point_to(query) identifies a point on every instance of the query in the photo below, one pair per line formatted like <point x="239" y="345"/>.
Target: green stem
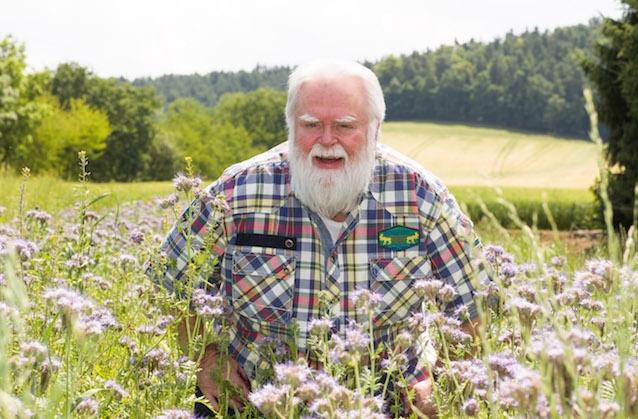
<point x="372" y="353"/>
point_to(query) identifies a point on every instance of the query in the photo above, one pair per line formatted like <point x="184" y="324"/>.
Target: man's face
<point x="331" y="154"/>
<point x="331" y="117"/>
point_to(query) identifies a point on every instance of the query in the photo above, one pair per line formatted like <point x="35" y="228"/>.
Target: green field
<point x="472" y="161"/>
<point x="477" y="156"/>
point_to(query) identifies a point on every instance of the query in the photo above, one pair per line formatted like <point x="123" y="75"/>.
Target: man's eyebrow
<point x="346" y="119"/>
<point x="308" y="118"/>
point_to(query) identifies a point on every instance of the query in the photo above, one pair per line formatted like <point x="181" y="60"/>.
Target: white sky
<point x="134" y="38"/>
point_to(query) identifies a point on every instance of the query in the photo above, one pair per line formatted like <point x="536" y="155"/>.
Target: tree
<point x="190" y="128"/>
<point x="131" y="113"/>
<point x="70" y="81"/>
<point x="19" y="111"/>
<point x="61" y="134"/>
<point x="614" y="72"/>
<point x="260" y="113"/>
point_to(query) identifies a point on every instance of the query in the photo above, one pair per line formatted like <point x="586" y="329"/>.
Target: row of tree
<point x="532" y="81"/>
<point x="48" y="116"/>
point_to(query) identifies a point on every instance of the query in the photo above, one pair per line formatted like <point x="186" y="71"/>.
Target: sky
<point x="143" y="38"/>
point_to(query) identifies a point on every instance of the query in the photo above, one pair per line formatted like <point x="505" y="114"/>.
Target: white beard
<point x="330" y="192"/>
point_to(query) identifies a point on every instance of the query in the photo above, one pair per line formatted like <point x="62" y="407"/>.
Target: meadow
<point x="480" y="156"/>
<point x="84" y="331"/>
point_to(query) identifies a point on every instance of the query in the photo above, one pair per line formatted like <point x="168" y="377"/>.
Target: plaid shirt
<point x="276" y="257"/>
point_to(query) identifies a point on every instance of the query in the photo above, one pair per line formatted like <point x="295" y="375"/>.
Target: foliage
<point x="61" y="133"/>
<point x="209" y="88"/>
<point x="530" y="81"/>
<point x="614" y="72"/>
<point x="132" y="115"/>
<point x="19" y="111"/>
<point x="192" y="130"/>
<point x="85" y="333"/>
<point x="260" y="113"/>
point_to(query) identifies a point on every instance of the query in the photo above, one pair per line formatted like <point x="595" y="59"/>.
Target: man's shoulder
<point x="396" y="168"/>
<point x="257" y="183"/>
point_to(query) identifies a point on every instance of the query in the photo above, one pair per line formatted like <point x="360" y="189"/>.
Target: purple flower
<point x="471" y="407"/>
<point x="207" y="306"/>
<point x="446" y="294"/>
<point x="186" y="183"/>
<point x="503" y="363"/>
<point x="472" y="372"/>
<point x="176" y="414"/>
<point x="357" y="341"/>
<point x="521" y="390"/>
<point x="87" y="407"/>
<point x="98" y="321"/>
<point x="365" y="299"/>
<point x="127" y="261"/>
<point x="493" y="252"/>
<point x="117" y="389"/>
<point x="36" y="352"/>
<point x="168" y="202"/>
<point x="23" y="248"/>
<point x="41" y="217"/>
<point x="608" y="409"/>
<point x="319" y="327"/>
<point x="77" y="261"/>
<point x="67" y="300"/>
<point x="509" y="270"/>
<point x="527" y="311"/>
<point x="558" y="261"/>
<point x="293" y="374"/>
<point x="155" y="360"/>
<point x="428" y="288"/>
<point x="270" y="397"/>
<point x="136" y="237"/>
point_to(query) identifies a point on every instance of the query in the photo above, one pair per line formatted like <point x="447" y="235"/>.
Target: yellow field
<point x="476" y="156"/>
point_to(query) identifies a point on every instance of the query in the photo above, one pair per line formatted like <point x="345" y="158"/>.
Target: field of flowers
<point x="85" y="333"/>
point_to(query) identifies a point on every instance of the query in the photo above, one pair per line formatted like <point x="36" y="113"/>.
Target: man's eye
<point x="311" y="124"/>
<point x="345" y="125"/>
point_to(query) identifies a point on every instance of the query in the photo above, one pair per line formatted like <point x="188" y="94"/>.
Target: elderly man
<point x="327" y="213"/>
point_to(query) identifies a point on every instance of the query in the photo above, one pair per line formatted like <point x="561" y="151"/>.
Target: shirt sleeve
<point x="189" y="255"/>
<point x="451" y="248"/>
<point x="454" y="252"/>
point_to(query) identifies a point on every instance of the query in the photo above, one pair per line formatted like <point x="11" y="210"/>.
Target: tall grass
<point x="85" y="333"/>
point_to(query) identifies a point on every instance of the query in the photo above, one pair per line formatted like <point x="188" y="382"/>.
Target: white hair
<point x="319" y="70"/>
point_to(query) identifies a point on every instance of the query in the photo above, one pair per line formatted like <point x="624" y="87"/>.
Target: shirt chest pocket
<point x="393" y="279"/>
<point x="262" y="286"/>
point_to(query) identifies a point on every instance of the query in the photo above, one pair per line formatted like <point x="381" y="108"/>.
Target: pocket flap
<point x="263" y="265"/>
<point x="400" y="268"/>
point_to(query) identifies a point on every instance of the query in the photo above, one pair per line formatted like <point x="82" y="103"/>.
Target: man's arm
<point x="211" y="360"/>
<point x="450" y="244"/>
<point x="188" y="251"/>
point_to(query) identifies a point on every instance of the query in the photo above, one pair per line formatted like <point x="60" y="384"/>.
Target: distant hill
<point x="477" y="156"/>
<point x="208" y="88"/>
<point x="532" y="81"/>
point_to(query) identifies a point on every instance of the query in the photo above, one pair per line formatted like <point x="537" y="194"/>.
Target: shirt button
<point x="289" y="243"/>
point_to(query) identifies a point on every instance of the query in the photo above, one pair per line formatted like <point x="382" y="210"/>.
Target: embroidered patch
<point x="399" y="238"/>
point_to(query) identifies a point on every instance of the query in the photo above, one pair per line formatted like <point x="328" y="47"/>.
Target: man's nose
<point x="328" y="136"/>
